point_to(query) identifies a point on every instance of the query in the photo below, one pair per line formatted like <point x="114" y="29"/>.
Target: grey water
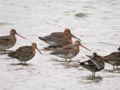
<point x="95" y="22"/>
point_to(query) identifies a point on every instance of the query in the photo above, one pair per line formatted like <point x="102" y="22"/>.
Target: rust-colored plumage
<point x="24" y="53"/>
<point x="9" y="41"/>
<point x="94" y="64"/>
<point x="59" y="39"/>
<point x="69" y="51"/>
<point x="113" y="59"/>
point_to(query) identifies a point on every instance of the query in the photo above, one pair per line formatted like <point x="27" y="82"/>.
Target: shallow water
<point x="95" y="22"/>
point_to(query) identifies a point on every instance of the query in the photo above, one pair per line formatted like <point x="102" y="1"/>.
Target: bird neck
<point x="68" y="38"/>
<point x="12" y="37"/>
<point x="33" y="50"/>
<point x="76" y="47"/>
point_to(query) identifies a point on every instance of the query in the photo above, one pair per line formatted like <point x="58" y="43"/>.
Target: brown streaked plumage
<point x="69" y="51"/>
<point x="9" y="41"/>
<point x="59" y="38"/>
<point x="24" y="53"/>
<point x="94" y="64"/>
<point x="113" y="59"/>
<point x="60" y="43"/>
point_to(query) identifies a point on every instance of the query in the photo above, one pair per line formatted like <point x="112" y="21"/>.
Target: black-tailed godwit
<point x="94" y="64"/>
<point x="24" y="53"/>
<point x="69" y="51"/>
<point x="9" y="41"/>
<point x="113" y="59"/>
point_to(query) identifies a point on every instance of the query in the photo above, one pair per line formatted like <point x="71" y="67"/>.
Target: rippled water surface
<point x="95" y="22"/>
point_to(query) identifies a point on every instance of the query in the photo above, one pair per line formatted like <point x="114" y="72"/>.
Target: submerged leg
<point x="70" y="60"/>
<point x="93" y="75"/>
<point x="65" y="59"/>
<point x="4" y="51"/>
<point x="25" y="62"/>
<point x="117" y="67"/>
<point x="113" y="67"/>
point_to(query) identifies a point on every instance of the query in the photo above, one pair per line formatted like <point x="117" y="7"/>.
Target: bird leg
<point x="65" y="59"/>
<point x="93" y="75"/>
<point x="4" y="51"/>
<point x="113" y="67"/>
<point x="70" y="60"/>
<point x="117" y="67"/>
<point x="25" y="62"/>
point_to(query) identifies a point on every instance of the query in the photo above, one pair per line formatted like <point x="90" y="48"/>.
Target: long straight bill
<point x="39" y="51"/>
<point x="85" y="48"/>
<point x="75" y="37"/>
<point x="20" y="36"/>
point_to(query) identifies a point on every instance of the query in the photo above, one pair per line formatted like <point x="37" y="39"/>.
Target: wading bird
<point x="94" y="64"/>
<point x="59" y="39"/>
<point x="113" y="59"/>
<point x="8" y="41"/>
<point x="25" y="53"/>
<point x="69" y="51"/>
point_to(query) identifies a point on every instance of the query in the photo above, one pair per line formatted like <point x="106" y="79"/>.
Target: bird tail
<point x="12" y="54"/>
<point x="42" y="38"/>
<point x="82" y="63"/>
<point x="52" y="53"/>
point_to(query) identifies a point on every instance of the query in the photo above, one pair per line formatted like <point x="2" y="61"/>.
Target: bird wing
<point x="115" y="56"/>
<point x="65" y="50"/>
<point x="53" y="37"/>
<point x="4" y="40"/>
<point x="70" y="46"/>
<point x="89" y="65"/>
<point x="21" y="51"/>
<point x="97" y="61"/>
<point x="24" y="49"/>
<point x="57" y="34"/>
<point x="62" y="42"/>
